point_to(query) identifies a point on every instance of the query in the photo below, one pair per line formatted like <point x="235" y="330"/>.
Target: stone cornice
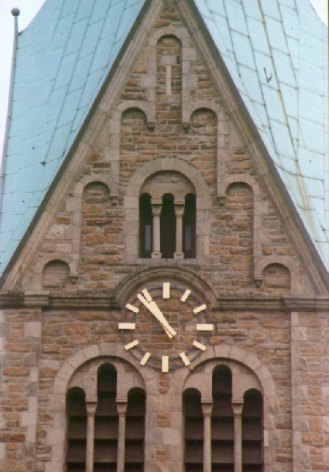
<point x="108" y="301"/>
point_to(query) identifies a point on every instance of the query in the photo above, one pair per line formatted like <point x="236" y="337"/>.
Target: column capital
<point x="179" y="210"/>
<point x="237" y="407"/>
<point x="122" y="407"/>
<point x="91" y="407"/>
<point x="207" y="407"/>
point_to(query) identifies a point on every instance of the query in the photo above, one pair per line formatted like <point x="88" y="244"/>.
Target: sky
<point x="28" y="9"/>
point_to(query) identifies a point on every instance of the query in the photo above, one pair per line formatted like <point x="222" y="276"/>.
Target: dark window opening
<point x="252" y="432"/>
<point x="189" y="227"/>
<point x="106" y="420"/>
<point x="135" y="426"/>
<point x="167" y="227"/>
<point x="145" y="226"/>
<point x="222" y="422"/>
<point x="76" y="431"/>
<point x="193" y="431"/>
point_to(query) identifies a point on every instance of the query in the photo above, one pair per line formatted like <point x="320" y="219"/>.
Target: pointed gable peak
<point x="275" y="54"/>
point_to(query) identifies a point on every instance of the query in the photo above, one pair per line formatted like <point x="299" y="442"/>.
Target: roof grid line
<point x="277" y="79"/>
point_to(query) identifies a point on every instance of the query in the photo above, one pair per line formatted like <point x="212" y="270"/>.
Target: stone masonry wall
<point x="35" y="343"/>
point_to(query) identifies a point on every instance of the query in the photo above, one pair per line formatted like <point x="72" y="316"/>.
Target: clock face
<point x="165" y="325"/>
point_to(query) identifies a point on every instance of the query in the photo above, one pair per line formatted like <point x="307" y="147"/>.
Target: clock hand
<point x="149" y="304"/>
<point x="156" y="312"/>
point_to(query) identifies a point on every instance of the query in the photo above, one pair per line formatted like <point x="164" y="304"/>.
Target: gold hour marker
<point x="200" y="308"/>
<point x="127" y="325"/>
<point x="165" y="364"/>
<point x="145" y="358"/>
<point x="132" y="308"/>
<point x="147" y="295"/>
<point x="185" y="295"/>
<point x="200" y="346"/>
<point x="205" y="327"/>
<point x="185" y="359"/>
<point x="131" y="345"/>
<point x="166" y="290"/>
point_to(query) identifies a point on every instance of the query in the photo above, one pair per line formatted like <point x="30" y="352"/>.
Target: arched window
<point x="252" y="431"/>
<point x="135" y="426"/>
<point x="222" y="443"/>
<point x="189" y="226"/>
<point x="193" y="431"/>
<point x="145" y="225"/>
<point x="223" y="432"/>
<point x="106" y="420"/>
<point x="76" y="437"/>
<point x="168" y="227"/>
<point x="167" y="217"/>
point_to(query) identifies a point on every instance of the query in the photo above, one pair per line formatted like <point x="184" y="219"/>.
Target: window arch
<point x="179" y="178"/>
<point x="223" y="425"/>
<point x="105" y="417"/>
<point x="167" y="217"/>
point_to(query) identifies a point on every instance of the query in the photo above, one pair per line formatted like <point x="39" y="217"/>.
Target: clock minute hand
<point x="158" y="314"/>
<point x="154" y="309"/>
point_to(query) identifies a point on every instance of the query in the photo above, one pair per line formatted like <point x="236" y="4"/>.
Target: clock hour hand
<point x="156" y="312"/>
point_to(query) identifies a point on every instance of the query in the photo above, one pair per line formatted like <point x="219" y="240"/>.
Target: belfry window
<point x="167" y="226"/>
<point x="222" y="431"/>
<point x="105" y="432"/>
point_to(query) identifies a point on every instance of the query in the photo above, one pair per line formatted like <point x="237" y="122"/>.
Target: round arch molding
<point x="131" y="204"/>
<point x="109" y="353"/>
<point x="247" y="368"/>
<point x="186" y="276"/>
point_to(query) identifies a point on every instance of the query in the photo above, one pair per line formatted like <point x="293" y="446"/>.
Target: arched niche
<point x="55" y="274"/>
<point x="276" y="279"/>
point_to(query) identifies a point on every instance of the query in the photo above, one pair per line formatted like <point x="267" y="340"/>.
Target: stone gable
<point x="168" y="130"/>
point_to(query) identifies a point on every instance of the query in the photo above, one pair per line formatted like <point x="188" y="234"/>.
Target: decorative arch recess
<point x="55" y="274"/>
<point x="131" y="205"/>
<point x="250" y="378"/>
<point x="80" y="373"/>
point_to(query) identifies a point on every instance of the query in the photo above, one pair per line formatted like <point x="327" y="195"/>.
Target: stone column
<point x="91" y="411"/>
<point x="122" y="409"/>
<point x="237" y="412"/>
<point x="207" y="410"/>
<point x="156" y="212"/>
<point x="179" y="212"/>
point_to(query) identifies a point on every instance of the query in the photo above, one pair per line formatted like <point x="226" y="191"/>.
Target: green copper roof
<point x="277" y="54"/>
<point x="63" y="58"/>
<point x="275" y="51"/>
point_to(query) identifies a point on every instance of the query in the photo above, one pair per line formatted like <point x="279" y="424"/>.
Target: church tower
<point x="165" y="240"/>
